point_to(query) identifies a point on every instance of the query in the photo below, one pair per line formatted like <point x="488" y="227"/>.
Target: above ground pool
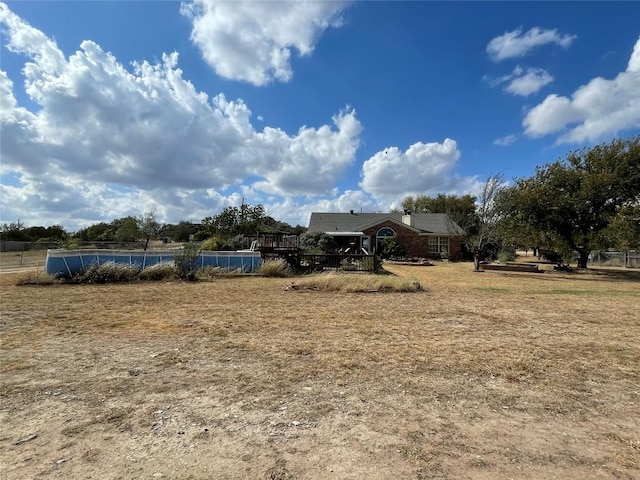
<point x="71" y="262"/>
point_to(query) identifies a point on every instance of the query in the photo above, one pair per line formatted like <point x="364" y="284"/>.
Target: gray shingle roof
<point x="356" y="222"/>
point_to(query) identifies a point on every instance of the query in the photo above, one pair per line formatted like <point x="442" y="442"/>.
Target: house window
<point x="439" y="245"/>
<point x="384" y="232"/>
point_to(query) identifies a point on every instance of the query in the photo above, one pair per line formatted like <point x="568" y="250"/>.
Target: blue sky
<point x="111" y="109"/>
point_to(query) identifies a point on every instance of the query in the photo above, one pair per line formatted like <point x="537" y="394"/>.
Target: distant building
<point x="426" y="235"/>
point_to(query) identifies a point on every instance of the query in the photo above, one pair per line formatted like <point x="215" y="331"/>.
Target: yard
<point x="493" y="375"/>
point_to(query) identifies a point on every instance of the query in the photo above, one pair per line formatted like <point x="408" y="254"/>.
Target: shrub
<point x="107" y="272"/>
<point x="349" y="283"/>
<point x="159" y="271"/>
<point x="70" y="243"/>
<point x="506" y="255"/>
<point x="318" y="242"/>
<point x="186" y="261"/>
<point x="209" y="273"/>
<point x="200" y="236"/>
<point x="274" y="268"/>
<point x="217" y="243"/>
<point x="391" y="248"/>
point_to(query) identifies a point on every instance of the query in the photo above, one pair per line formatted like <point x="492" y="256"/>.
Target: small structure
<point x="425" y="235"/>
<point x="269" y="242"/>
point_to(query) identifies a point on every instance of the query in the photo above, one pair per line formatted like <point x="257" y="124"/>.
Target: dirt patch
<point x="482" y="376"/>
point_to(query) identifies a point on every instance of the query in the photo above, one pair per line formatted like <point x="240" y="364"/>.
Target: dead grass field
<point x="489" y="375"/>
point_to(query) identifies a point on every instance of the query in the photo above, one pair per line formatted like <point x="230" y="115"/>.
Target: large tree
<point x="245" y="219"/>
<point x="481" y="229"/>
<point x="461" y="209"/>
<point x="14" y="231"/>
<point x="148" y="227"/>
<point x="586" y="202"/>
<point x="126" y="229"/>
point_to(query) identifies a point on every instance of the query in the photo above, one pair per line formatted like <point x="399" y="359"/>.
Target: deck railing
<point x="342" y="262"/>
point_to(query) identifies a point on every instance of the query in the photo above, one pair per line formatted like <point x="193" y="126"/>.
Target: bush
<point x="349" y="283"/>
<point x="274" y="268"/>
<point x="159" y="271"/>
<point x="506" y="255"/>
<point x="209" y="273"/>
<point x="217" y="243"/>
<point x="391" y="248"/>
<point x="70" y="243"/>
<point x="107" y="272"/>
<point x="200" y="236"/>
<point x="186" y="261"/>
<point x="317" y="242"/>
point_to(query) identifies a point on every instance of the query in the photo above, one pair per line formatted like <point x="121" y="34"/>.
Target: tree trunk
<point x="476" y="263"/>
<point x="582" y="260"/>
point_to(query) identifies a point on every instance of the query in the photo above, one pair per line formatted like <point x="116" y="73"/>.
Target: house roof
<point x="356" y="222"/>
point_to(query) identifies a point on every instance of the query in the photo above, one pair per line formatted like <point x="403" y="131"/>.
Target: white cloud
<point x="601" y="107"/>
<point x="302" y="173"/>
<point x="505" y="141"/>
<point x="391" y="174"/>
<point x="531" y="80"/>
<point x="523" y="81"/>
<point x="517" y="44"/>
<point x="254" y="41"/>
<point x="25" y="39"/>
<point x="107" y="139"/>
<point x="634" y="61"/>
<point x="79" y="202"/>
<point x="298" y="212"/>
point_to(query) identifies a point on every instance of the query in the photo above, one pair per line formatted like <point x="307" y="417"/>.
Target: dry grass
<point x="355" y="283"/>
<point x="482" y="375"/>
<point x="274" y="268"/>
<point x="30" y="258"/>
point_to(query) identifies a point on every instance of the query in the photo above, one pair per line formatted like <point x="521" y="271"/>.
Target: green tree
<point x="97" y="232"/>
<point x="180" y="233"/>
<point x="14" y="231"/>
<point x="586" y="202"/>
<point x="245" y="219"/>
<point x="126" y="229"/>
<point x="148" y="227"/>
<point x="461" y="209"/>
<point x="623" y="231"/>
<point x="317" y="242"/>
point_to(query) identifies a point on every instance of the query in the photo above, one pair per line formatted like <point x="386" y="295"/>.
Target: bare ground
<point x="482" y="376"/>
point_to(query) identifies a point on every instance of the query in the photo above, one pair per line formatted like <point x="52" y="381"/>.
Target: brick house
<point x="426" y="235"/>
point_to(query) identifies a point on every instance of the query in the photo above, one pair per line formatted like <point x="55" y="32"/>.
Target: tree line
<point x="588" y="201"/>
<point x="222" y="228"/>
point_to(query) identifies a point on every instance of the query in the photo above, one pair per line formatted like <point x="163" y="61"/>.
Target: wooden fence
<point x="341" y="262"/>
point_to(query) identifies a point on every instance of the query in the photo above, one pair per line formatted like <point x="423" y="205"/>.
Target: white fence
<point x="615" y="259"/>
